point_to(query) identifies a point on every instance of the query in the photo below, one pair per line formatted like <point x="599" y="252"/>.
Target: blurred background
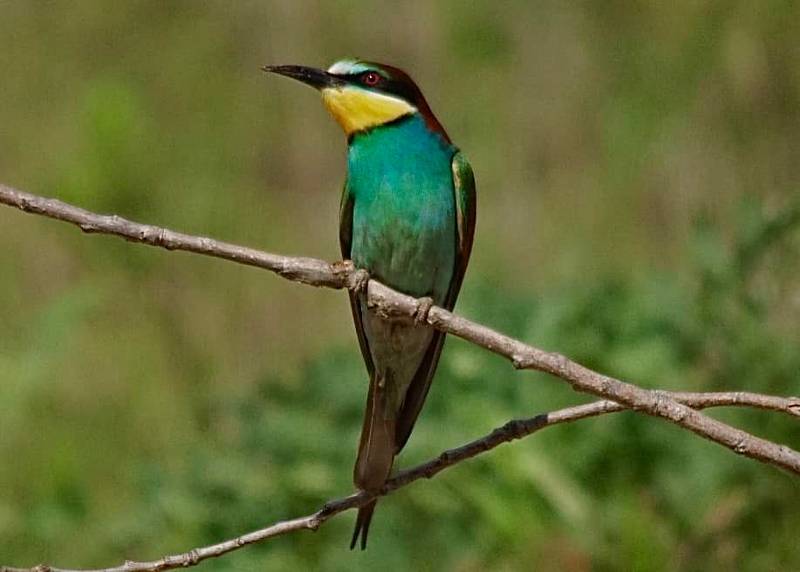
<point x="638" y="168"/>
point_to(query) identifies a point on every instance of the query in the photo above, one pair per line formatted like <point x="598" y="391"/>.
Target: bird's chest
<point x="404" y="230"/>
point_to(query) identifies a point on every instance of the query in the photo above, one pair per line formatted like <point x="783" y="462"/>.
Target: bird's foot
<point x="355" y="279"/>
<point x="358" y="281"/>
<point x="424" y="306"/>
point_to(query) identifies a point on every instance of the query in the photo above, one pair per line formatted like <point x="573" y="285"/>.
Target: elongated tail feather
<point x="362" y="524"/>
<point x="375" y="453"/>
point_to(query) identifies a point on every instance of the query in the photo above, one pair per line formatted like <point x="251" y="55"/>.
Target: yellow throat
<point x="358" y="109"/>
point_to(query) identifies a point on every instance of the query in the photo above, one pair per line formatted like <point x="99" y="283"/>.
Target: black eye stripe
<point x="387" y="85"/>
<point x="401" y="89"/>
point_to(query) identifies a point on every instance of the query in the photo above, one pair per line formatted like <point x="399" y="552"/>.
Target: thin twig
<point x="515" y="429"/>
<point x="394" y="305"/>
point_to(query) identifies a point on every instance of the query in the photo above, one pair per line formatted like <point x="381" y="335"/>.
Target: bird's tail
<point x="375" y="453"/>
<point x="362" y="524"/>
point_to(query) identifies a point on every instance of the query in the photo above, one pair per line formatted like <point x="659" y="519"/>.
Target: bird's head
<point x="363" y="95"/>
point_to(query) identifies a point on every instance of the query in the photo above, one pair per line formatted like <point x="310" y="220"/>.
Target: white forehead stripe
<point x="345" y="67"/>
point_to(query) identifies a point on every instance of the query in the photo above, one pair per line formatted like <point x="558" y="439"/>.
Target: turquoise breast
<point x="404" y="221"/>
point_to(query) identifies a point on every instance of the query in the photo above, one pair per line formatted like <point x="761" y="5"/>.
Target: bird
<point x="407" y="217"/>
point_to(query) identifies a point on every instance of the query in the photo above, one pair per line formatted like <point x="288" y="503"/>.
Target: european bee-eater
<point x="407" y="216"/>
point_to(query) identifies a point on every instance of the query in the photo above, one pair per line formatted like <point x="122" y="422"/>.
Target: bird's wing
<point x="345" y="243"/>
<point x="464" y="191"/>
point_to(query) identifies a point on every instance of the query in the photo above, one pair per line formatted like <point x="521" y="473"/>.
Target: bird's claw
<point x="424" y="306"/>
<point x="358" y="281"/>
<point x="342" y="269"/>
<point x="354" y="279"/>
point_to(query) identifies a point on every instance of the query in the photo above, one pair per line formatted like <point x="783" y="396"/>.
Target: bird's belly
<point x="415" y="259"/>
<point x="397" y="349"/>
<point x="403" y="232"/>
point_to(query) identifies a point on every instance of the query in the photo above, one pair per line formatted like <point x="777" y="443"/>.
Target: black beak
<point x="319" y="79"/>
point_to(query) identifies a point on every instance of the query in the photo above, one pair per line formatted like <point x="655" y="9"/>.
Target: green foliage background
<point x="638" y="175"/>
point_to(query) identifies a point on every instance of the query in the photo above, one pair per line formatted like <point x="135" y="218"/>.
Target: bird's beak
<point x="319" y="79"/>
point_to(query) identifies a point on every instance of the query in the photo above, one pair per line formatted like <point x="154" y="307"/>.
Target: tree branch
<point x="514" y="429"/>
<point x="298" y="269"/>
<point x="678" y="408"/>
<point x="394" y="305"/>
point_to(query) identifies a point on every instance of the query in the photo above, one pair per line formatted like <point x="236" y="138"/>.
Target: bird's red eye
<point x="371" y="79"/>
